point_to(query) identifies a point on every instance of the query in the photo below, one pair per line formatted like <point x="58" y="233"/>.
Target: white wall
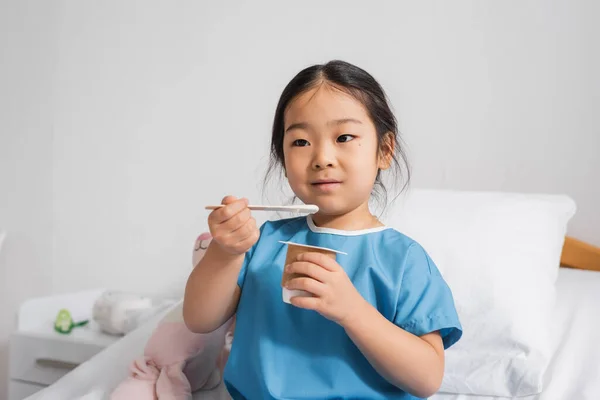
<point x="159" y="108"/>
<point x="27" y="53"/>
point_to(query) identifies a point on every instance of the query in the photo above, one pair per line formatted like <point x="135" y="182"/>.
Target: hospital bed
<point x="573" y="371"/>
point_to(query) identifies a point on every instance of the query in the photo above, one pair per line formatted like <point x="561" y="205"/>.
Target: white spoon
<point x="300" y="208"/>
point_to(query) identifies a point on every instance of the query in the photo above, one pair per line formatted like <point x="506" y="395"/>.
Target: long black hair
<point x="363" y="87"/>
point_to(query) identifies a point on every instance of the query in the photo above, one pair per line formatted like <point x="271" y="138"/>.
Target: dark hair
<point x="363" y="87"/>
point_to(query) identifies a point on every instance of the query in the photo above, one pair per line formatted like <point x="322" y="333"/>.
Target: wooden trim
<point x="580" y="255"/>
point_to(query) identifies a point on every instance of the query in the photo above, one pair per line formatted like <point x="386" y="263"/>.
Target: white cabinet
<point x="22" y="390"/>
<point x="38" y="355"/>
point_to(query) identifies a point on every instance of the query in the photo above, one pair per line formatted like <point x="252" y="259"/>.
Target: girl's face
<point x="331" y="150"/>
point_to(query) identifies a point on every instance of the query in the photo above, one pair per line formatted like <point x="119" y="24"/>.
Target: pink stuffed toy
<point x="176" y="361"/>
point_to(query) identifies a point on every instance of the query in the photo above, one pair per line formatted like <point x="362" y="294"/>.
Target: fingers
<point x="237" y="221"/>
<point x="248" y="230"/>
<point x="308" y="303"/>
<point x="232" y="226"/>
<point x="228" y="199"/>
<point x="242" y="224"/>
<point x="232" y="207"/>
<point x="237" y="229"/>
<point x="307" y="284"/>
<point x="309" y="269"/>
<point x="320" y="259"/>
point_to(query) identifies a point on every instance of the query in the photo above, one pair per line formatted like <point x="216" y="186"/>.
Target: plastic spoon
<point x="300" y="208"/>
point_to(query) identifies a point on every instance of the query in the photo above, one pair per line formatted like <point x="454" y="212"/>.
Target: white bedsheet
<point x="574" y="372"/>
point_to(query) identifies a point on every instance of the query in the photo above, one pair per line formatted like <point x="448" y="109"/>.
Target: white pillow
<point x="500" y="254"/>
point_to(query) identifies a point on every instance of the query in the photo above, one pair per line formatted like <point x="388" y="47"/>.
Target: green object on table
<point x="64" y="322"/>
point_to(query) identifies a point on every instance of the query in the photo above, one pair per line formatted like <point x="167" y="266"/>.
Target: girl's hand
<point x="335" y="297"/>
<point x="232" y="227"/>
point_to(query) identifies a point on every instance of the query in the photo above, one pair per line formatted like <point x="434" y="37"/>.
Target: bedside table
<point x="38" y="355"/>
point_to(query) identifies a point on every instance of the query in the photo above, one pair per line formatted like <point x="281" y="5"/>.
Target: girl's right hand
<point x="232" y="227"/>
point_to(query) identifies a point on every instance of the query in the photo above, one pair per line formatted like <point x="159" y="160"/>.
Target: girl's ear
<point x="386" y="151"/>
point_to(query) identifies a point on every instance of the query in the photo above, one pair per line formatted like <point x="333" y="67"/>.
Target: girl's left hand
<point x="334" y="295"/>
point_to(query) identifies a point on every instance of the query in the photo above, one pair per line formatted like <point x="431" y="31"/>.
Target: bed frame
<point x="580" y="255"/>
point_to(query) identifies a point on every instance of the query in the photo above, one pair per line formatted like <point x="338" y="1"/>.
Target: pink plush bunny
<point x="176" y="361"/>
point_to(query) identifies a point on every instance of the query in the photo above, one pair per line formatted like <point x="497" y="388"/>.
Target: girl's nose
<point x="323" y="165"/>
<point x="323" y="159"/>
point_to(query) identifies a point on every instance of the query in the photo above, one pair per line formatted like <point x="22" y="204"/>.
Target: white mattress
<point x="574" y="372"/>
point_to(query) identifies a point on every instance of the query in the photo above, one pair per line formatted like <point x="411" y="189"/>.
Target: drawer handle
<point x="49" y="363"/>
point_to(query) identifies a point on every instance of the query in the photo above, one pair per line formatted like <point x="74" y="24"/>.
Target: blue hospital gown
<point x="283" y="352"/>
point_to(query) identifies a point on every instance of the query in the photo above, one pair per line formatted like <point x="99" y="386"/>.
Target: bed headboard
<point x="580" y="255"/>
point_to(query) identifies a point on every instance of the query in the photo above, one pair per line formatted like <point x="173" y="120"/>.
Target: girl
<point x="380" y="317"/>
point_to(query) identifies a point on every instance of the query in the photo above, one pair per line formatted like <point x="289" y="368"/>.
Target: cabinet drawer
<point x="18" y="390"/>
<point x="44" y="360"/>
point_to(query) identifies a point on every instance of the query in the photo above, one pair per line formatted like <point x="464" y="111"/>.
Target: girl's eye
<point x="300" y="143"/>
<point x="345" y="138"/>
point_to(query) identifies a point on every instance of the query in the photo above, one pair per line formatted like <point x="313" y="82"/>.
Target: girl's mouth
<point x="326" y="185"/>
